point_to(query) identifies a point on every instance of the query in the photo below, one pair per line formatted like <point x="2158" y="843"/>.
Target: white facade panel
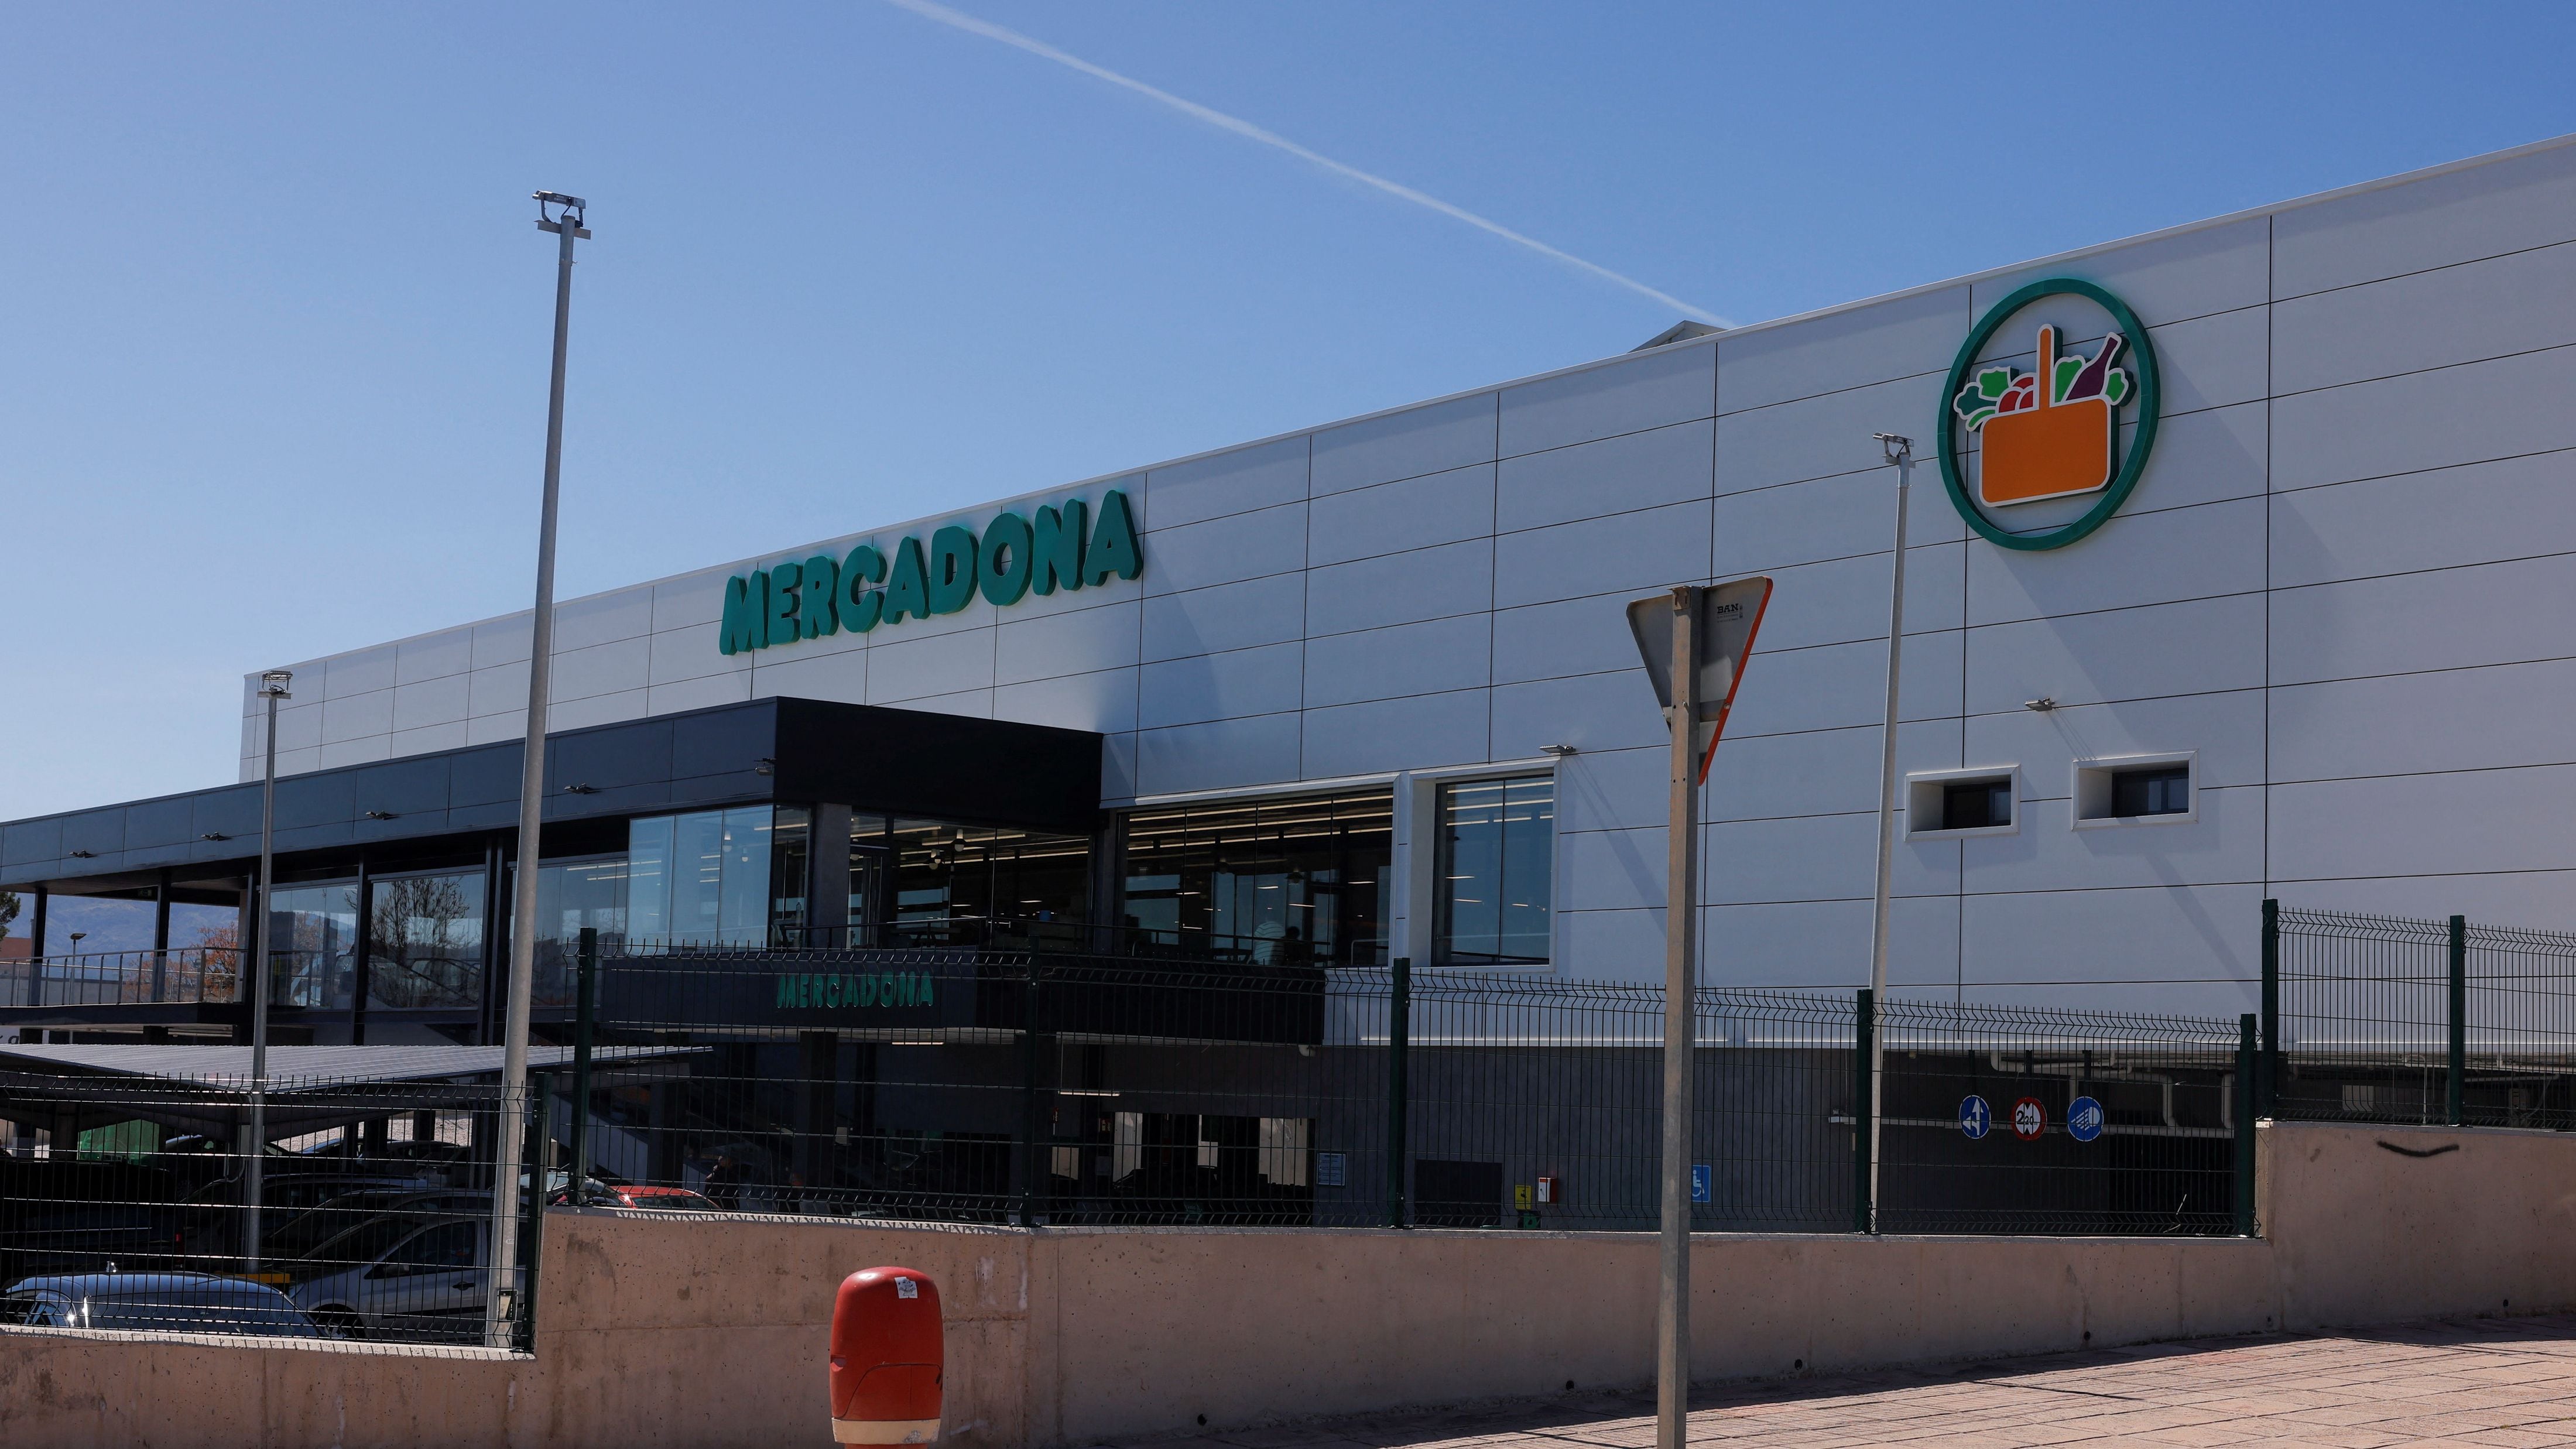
<point x="1229" y="616"/>
<point x="2143" y="653"/>
<point x="597" y="709"/>
<point x="1225" y="550"/>
<point x="434" y="656"/>
<point x="1590" y="712"/>
<point x="2444" y="518"/>
<point x="2146" y="558"/>
<point x="2439" y="419"/>
<point x="1103" y="701"/>
<point x="1611" y="789"/>
<point x="1242" y="481"/>
<point x="1842" y="600"/>
<point x="919" y="668"/>
<point x="1431" y="583"/>
<point x="1384" y="518"/>
<point x="2445" y="824"/>
<point x="2205" y="270"/>
<point x="355" y="716"/>
<point x="1643" y="551"/>
<point x="1907" y="337"/>
<point x="1221" y="686"/>
<point x="1836" y="686"/>
<point x="1671" y="384"/>
<point x="1615" y="475"/>
<point x="2450" y="719"/>
<point x="604" y="618"/>
<point x="1562" y="637"/>
<point x="1430" y="439"/>
<point x="1059" y="644"/>
<point x="2224" y="732"/>
<point x="345" y="676"/>
<point x="841" y="676"/>
<point x="2503" y="613"/>
<point x="1825" y="436"/>
<point x="1421" y="731"/>
<point x="1219" y="755"/>
<point x="2504" y="205"/>
<point x="580" y="673"/>
<point x="1426" y="658"/>
<point x="431" y="702"/>
<point x="2521" y="302"/>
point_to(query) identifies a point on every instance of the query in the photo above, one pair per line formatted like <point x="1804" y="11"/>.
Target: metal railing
<point x="2390" y="1019"/>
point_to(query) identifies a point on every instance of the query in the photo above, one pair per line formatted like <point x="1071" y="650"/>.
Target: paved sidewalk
<point x="2508" y="1382"/>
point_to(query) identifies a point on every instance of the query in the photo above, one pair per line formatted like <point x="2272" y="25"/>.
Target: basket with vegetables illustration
<point x="2050" y="433"/>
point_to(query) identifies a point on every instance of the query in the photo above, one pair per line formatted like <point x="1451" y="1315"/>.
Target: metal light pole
<point x="272" y="688"/>
<point x="1900" y="451"/>
<point x="1681" y="1018"/>
<point x="499" y="1304"/>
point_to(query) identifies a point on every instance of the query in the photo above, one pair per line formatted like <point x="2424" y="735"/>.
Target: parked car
<point x="302" y="1234"/>
<point x="215" y="1215"/>
<point x="167" y="1302"/>
<point x="595" y="1193"/>
<point x="396" y="1278"/>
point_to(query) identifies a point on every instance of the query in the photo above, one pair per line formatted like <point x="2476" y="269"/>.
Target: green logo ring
<point x="2149" y="398"/>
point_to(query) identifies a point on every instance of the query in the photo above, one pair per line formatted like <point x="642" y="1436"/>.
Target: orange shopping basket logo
<point x="2050" y="433"/>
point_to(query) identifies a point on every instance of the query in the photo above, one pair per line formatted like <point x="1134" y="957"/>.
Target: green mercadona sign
<point x="1063" y="547"/>
<point x="836" y="991"/>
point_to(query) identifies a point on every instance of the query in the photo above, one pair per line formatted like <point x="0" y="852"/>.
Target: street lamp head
<point x="1899" y="447"/>
<point x="272" y="684"/>
<point x="571" y="212"/>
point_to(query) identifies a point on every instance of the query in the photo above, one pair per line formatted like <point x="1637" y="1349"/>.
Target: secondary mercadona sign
<point x="1063" y="547"/>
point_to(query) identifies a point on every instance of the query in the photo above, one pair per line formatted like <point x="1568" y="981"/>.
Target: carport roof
<point x="302" y="1068"/>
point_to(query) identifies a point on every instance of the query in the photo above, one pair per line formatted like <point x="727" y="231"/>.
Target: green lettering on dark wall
<point x="1063" y="546"/>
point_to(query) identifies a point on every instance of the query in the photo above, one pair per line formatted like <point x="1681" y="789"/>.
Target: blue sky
<point x="273" y="318"/>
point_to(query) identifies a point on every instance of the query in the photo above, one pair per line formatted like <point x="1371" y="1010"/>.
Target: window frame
<point x="1924" y="791"/>
<point x="2093" y="791"/>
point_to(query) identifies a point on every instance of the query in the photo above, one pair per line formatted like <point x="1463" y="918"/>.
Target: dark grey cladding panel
<point x="159" y="823"/>
<point x="317" y="799"/>
<point x="941" y="766"/>
<point x="491" y="815"/>
<point x="100" y="832"/>
<point x="484" y="775"/>
<point x="724" y="741"/>
<point x="314" y="837"/>
<point x="232" y="812"/>
<point x="641" y="799"/>
<point x="737" y="788"/>
<point x="623" y="754"/>
<point x="412" y="786"/>
<point x="31" y="841"/>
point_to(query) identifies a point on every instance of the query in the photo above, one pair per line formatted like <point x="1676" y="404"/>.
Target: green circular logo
<point x="2054" y="431"/>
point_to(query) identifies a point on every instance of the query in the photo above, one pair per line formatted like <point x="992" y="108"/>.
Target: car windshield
<point x="360" y="1245"/>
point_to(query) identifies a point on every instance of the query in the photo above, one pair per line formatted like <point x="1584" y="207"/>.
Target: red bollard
<point x="887" y="1358"/>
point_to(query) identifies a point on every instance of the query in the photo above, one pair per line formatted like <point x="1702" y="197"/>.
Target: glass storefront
<point x="1268" y="881"/>
<point x="313" y="944"/>
<point x="911" y="873"/>
<point x="700" y="878"/>
<point x="1496" y="871"/>
<point x="425" y="941"/>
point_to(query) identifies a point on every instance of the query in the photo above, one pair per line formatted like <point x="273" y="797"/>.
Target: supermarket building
<point x="1366" y="690"/>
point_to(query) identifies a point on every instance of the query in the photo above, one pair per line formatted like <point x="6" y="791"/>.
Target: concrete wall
<point x="671" y="1332"/>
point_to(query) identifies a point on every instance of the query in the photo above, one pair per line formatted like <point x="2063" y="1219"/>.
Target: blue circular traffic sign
<point x="1975" y="1117"/>
<point x="2083" y="1119"/>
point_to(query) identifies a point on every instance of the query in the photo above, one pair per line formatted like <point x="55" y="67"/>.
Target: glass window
<point x="1273" y="881"/>
<point x="957" y="873"/>
<point x="313" y="944"/>
<point x="425" y="946"/>
<point x="790" y="836"/>
<point x="701" y="877"/>
<point x="2165" y="790"/>
<point x="1495" y="871"/>
<point x="1976" y="804"/>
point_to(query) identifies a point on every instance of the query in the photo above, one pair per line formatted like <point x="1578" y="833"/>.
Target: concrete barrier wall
<point x="670" y="1332"/>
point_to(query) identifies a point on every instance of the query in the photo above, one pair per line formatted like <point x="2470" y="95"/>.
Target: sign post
<point x="1693" y="641"/>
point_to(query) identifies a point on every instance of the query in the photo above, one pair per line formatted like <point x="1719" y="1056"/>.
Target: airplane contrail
<point x="957" y="20"/>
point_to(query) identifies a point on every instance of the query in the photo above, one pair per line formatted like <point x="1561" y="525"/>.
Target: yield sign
<point x="1724" y="620"/>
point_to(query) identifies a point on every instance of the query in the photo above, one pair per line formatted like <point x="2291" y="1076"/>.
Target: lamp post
<point x="272" y="688"/>
<point x="1900" y="453"/>
<point x="499" y="1306"/>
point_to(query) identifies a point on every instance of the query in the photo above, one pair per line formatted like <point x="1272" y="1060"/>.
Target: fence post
<point x="2244" y="1105"/>
<point x="537" y="1133"/>
<point x="2459" y="1020"/>
<point x="1864" y="1034"/>
<point x="585" y="993"/>
<point x="1032" y="1159"/>
<point x="1399" y="1045"/>
<point x="2267" y="1079"/>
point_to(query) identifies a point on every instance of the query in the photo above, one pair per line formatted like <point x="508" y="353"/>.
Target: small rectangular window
<point x="2135" y="789"/>
<point x="1495" y="871"/>
<point x="1977" y="801"/>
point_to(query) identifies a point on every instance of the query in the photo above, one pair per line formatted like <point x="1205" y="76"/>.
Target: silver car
<point x="164" y="1302"/>
<point x="400" y="1278"/>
